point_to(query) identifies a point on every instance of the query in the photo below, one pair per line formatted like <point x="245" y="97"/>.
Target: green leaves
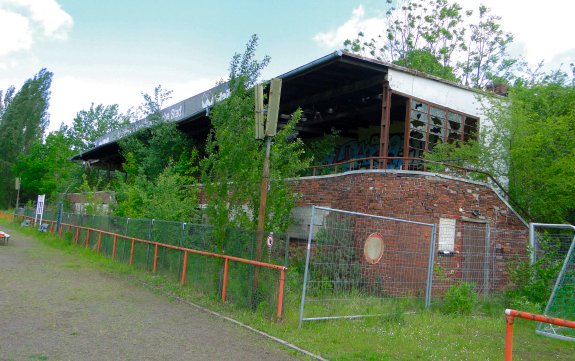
<point x="232" y="170"/>
<point x="161" y="168"/>
<point x="91" y="124"/>
<point x="441" y="39"/>
<point x="23" y="120"/>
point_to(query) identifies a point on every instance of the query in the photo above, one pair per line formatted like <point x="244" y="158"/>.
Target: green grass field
<point x="424" y="335"/>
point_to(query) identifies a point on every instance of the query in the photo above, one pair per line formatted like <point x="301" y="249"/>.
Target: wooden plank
<point x="273" y="107"/>
<point x="259" y="89"/>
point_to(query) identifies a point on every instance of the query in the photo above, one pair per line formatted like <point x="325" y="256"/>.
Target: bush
<point x="533" y="282"/>
<point x="460" y="299"/>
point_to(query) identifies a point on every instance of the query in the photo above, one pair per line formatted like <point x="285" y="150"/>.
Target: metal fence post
<point x="149" y="245"/>
<point x="59" y="217"/>
<point x="532" y="237"/>
<point x="305" y="276"/>
<point x="486" y="258"/>
<point x="181" y="245"/>
<point x="429" y="285"/>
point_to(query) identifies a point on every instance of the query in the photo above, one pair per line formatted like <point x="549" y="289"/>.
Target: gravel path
<point x="56" y="307"/>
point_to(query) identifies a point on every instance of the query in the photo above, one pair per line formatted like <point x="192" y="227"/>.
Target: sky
<point x="110" y="51"/>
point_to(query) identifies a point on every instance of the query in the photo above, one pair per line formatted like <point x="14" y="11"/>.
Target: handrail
<point x="510" y="317"/>
<point x="408" y="163"/>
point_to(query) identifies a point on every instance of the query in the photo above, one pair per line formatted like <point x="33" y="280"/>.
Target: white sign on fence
<point x="39" y="207"/>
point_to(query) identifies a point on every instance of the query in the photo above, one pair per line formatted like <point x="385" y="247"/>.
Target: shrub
<point x="533" y="282"/>
<point x="460" y="299"/>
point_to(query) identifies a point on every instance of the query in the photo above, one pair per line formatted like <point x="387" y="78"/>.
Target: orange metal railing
<point x="157" y="245"/>
<point x="510" y="317"/>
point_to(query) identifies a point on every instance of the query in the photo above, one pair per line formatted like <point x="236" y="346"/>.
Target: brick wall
<point x="426" y="197"/>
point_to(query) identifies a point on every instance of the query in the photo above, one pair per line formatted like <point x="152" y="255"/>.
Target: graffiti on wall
<point x="366" y="148"/>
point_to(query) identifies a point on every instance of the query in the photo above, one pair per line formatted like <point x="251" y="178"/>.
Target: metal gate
<point x="475" y="265"/>
<point x="363" y="265"/>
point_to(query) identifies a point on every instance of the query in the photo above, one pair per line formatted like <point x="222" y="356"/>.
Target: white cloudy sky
<point x="108" y="51"/>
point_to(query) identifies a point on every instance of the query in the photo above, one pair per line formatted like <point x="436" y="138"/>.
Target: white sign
<point x="39" y="207"/>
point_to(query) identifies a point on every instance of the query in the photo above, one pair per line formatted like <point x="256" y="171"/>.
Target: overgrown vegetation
<point x="23" y="121"/>
<point x="530" y="146"/>
<point x="460" y="299"/>
<point x="425" y="335"/>
<point x="160" y="168"/>
<point x="533" y="281"/>
<point x="232" y="169"/>
<point x="439" y="37"/>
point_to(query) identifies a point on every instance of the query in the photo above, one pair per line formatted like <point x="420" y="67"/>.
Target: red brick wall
<point x="423" y="197"/>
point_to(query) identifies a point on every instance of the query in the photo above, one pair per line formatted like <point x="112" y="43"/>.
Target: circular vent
<point x="373" y="248"/>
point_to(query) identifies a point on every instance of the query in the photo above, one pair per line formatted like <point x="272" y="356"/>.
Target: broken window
<point x="470" y="129"/>
<point x="436" y="127"/>
<point x="418" y="128"/>
<point x="455" y="127"/>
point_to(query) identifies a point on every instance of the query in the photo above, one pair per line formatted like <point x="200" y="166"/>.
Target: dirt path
<point x="56" y="307"/>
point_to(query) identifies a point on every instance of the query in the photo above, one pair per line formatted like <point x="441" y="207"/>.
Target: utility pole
<point x="17" y="186"/>
<point x="270" y="131"/>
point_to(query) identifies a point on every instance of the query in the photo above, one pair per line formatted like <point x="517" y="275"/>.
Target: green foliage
<point x="165" y="197"/>
<point x="533" y="283"/>
<point x="459" y="299"/>
<point x="232" y="170"/>
<point x="91" y="124"/>
<point x="541" y="140"/>
<point x="24" y="118"/>
<point x="45" y="169"/>
<point x="338" y="268"/>
<point x="161" y="168"/>
<point x="320" y="148"/>
<point x="92" y="204"/>
<point x="440" y="38"/>
<point x="156" y="145"/>
<point x="423" y="60"/>
<point x="529" y="145"/>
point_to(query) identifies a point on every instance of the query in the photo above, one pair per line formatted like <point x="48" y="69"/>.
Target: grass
<point x="425" y="335"/>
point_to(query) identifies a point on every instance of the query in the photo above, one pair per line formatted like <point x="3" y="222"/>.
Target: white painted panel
<point x="433" y="91"/>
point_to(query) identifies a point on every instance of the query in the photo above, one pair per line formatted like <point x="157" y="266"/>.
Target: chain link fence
<point x="554" y="249"/>
<point x="363" y="265"/>
<point x="203" y="274"/>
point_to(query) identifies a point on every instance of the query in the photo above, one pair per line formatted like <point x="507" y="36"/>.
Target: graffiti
<point x="173" y="113"/>
<point x="208" y="98"/>
<point x="369" y="147"/>
<point x="355" y="149"/>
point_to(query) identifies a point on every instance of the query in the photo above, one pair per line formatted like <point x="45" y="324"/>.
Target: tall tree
<point x="161" y="165"/>
<point x="6" y="99"/>
<point x="24" y="121"/>
<point x="91" y="124"/>
<point x="442" y="39"/>
<point x="530" y="146"/>
<point x="232" y="170"/>
<point x="46" y="168"/>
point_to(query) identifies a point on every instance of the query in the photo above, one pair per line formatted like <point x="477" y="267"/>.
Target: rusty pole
<point x="262" y="213"/>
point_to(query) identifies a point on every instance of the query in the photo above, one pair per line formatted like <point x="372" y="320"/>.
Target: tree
<point x="486" y="59"/>
<point x="91" y="124"/>
<point x="155" y="142"/>
<point x="440" y="38"/>
<point x="23" y="123"/>
<point x="5" y="100"/>
<point x="160" y="165"/>
<point x="530" y="146"/>
<point x="46" y="168"/>
<point x="232" y="170"/>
